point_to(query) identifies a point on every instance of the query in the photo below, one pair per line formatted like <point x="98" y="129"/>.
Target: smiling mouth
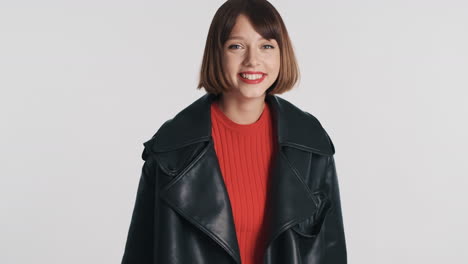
<point x="252" y="78"/>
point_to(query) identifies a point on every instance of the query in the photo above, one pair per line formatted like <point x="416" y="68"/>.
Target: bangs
<point x="263" y="20"/>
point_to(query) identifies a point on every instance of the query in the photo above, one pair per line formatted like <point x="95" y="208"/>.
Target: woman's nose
<point x="251" y="57"/>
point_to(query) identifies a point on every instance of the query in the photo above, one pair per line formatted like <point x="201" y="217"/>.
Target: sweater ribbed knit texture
<point x="244" y="153"/>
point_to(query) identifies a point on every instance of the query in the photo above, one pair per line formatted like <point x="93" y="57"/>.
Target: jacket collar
<point x="294" y="127"/>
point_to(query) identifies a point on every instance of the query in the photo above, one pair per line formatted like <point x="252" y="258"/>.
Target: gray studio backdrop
<point x="84" y="83"/>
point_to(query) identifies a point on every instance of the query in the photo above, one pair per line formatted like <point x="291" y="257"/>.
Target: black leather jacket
<point x="182" y="213"/>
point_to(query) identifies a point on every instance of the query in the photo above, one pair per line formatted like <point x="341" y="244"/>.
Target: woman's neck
<point x="241" y="111"/>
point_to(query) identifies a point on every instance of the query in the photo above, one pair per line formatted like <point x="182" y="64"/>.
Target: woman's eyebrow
<point x="239" y="37"/>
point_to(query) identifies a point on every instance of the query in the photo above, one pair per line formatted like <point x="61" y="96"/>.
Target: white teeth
<point x="251" y="76"/>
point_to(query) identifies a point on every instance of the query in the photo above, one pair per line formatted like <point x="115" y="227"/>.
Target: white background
<point x="84" y="83"/>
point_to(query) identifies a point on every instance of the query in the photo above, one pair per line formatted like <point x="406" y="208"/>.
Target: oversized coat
<point x="182" y="212"/>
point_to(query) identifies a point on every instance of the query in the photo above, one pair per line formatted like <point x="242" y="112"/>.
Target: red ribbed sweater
<point x="244" y="153"/>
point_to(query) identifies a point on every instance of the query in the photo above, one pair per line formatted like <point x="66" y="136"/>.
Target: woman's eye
<point x="230" y="47"/>
<point x="233" y="46"/>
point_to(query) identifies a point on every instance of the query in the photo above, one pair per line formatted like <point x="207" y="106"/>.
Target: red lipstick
<point x="252" y="81"/>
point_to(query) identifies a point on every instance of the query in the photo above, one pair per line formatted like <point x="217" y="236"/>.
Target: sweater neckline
<point x="241" y="128"/>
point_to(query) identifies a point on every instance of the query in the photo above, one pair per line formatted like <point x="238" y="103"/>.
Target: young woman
<point x="240" y="175"/>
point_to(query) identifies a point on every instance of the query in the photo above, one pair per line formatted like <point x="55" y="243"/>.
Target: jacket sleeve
<point x="332" y="236"/>
<point x="140" y="245"/>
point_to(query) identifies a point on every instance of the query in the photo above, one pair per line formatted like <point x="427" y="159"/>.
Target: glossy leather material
<point x="182" y="212"/>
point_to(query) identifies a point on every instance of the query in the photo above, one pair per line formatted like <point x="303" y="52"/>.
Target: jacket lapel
<point x="198" y="192"/>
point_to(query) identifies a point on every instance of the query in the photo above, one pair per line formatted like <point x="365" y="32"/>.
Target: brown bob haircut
<point x="268" y="23"/>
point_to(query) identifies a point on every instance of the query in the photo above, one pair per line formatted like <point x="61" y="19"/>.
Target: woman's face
<point x="246" y="52"/>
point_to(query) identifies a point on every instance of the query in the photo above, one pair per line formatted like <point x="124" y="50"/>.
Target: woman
<point x="240" y="175"/>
